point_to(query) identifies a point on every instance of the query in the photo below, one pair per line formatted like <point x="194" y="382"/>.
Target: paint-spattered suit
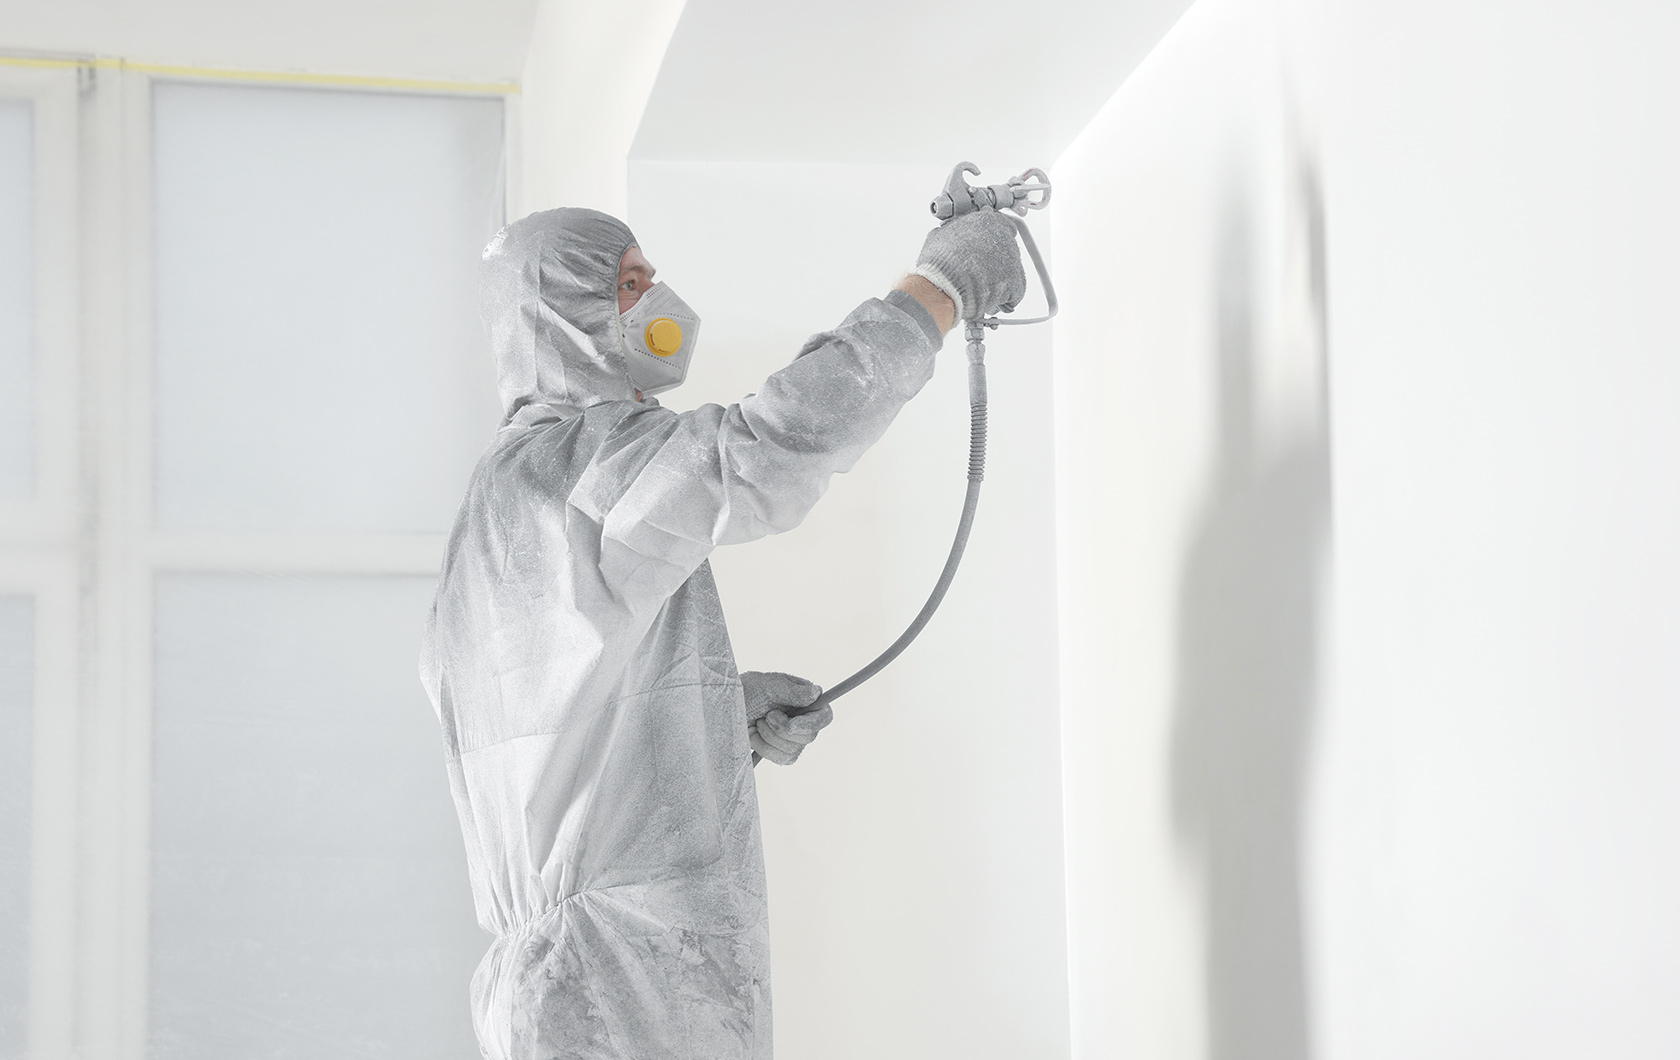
<point x="577" y="657"/>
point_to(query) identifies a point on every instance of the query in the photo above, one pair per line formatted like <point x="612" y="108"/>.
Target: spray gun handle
<point x="1043" y="280"/>
<point x="960" y="197"/>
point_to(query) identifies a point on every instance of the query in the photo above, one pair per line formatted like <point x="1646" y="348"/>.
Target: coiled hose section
<point x="975" y="334"/>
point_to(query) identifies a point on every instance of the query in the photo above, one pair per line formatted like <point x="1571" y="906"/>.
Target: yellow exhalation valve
<point x="664" y="336"/>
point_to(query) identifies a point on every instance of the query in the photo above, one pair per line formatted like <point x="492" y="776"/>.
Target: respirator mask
<point x="659" y="333"/>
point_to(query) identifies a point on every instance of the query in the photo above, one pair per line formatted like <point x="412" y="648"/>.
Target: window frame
<point x="40" y="551"/>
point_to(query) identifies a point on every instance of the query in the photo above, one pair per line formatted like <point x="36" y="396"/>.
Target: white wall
<point x="914" y="853"/>
<point x="1504" y="235"/>
<point x="588" y="71"/>
<point x="1191" y="482"/>
<point x="1438" y="818"/>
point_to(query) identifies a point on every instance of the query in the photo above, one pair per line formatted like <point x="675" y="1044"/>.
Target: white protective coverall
<point x="593" y="718"/>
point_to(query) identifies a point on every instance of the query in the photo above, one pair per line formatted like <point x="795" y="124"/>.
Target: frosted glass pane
<point x="17" y="300"/>
<point x="320" y="365"/>
<point x="17" y="703"/>
<point x="309" y="886"/>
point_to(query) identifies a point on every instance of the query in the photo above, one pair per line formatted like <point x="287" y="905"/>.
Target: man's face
<point x="635" y="276"/>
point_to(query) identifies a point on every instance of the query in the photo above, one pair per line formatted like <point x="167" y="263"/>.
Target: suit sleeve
<point x="718" y="476"/>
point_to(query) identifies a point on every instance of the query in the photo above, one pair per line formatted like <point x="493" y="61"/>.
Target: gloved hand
<point x="975" y="260"/>
<point x="779" y="722"/>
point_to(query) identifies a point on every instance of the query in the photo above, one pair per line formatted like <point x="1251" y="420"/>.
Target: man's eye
<point x="628" y="285"/>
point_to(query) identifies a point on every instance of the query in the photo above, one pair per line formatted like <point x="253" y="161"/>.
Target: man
<point x="598" y="737"/>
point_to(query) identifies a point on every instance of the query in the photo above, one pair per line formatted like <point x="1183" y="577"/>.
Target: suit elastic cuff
<point x="918" y="312"/>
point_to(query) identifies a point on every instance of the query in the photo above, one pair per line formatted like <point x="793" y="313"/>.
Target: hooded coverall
<point x="593" y="719"/>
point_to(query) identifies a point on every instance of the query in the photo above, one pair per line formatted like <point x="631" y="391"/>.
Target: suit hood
<point x="548" y="297"/>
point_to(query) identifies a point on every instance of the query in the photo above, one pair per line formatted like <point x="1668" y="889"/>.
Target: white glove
<point x="780" y="723"/>
<point x="976" y="261"/>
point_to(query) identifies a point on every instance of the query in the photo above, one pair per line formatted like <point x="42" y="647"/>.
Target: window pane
<point x="320" y="365"/>
<point x="17" y="301"/>
<point x="309" y="886"/>
<point x="17" y="704"/>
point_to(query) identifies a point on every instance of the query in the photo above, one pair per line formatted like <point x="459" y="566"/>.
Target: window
<point x="242" y="384"/>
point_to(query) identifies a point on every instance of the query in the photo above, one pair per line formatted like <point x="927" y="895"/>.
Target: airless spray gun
<point x="958" y="198"/>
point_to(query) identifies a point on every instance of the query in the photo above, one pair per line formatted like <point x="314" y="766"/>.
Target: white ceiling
<point x="808" y="80"/>
<point x="892" y="80"/>
<point x="466" y="39"/>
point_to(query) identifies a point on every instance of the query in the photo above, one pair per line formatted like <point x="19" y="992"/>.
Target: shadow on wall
<point x="1248" y="643"/>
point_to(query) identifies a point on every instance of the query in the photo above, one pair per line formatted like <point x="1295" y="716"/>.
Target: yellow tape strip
<point x="277" y="77"/>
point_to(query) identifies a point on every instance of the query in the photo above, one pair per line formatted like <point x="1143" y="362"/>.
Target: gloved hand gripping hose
<point x="974" y="331"/>
<point x="959" y="198"/>
<point x="996" y="197"/>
